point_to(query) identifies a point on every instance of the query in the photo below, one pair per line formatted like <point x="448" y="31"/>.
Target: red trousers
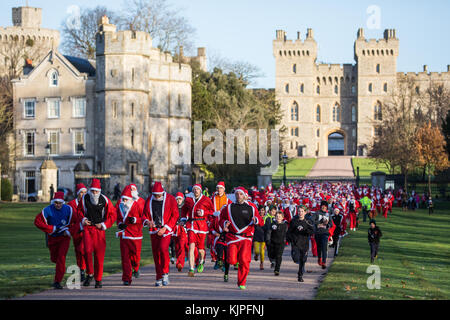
<point x="161" y="257"/>
<point x="241" y="252"/>
<point x="130" y="252"/>
<point x="352" y="216"/>
<point x="211" y="246"/>
<point x="313" y="246"/>
<point x="79" y="250"/>
<point x="385" y="212"/>
<point x="181" y="246"/>
<point x="94" y="243"/>
<point x="58" y="247"/>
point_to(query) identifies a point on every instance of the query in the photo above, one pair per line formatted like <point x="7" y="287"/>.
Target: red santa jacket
<point x="288" y="214"/>
<point x="133" y="230"/>
<point x="170" y="214"/>
<point x="196" y="223"/>
<point x="109" y="213"/>
<point x="140" y="202"/>
<point x="235" y="234"/>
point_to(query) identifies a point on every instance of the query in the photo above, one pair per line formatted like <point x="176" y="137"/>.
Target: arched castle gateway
<point x="333" y="109"/>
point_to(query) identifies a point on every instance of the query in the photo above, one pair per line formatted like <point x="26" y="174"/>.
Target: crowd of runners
<point x="235" y="227"/>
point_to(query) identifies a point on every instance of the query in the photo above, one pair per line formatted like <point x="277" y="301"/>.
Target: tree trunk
<point x="406" y="181"/>
<point x="429" y="183"/>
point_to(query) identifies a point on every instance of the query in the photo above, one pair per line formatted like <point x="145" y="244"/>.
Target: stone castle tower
<point x="142" y="97"/>
<point x="26" y="39"/>
<point x="333" y="109"/>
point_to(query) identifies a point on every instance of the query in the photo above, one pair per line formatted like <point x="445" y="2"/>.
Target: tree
<point x="79" y="33"/>
<point x="402" y="116"/>
<point x="167" y="28"/>
<point x="430" y="150"/>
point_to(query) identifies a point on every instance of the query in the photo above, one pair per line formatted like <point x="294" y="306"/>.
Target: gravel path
<point x="209" y="285"/>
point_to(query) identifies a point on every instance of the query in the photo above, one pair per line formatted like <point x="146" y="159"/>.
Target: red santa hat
<point x="198" y="185"/>
<point x="157" y="188"/>
<point x="126" y="193"/>
<point x="133" y="186"/>
<point x="58" y="197"/>
<point x="95" y="185"/>
<point x="221" y="184"/>
<point x="81" y="188"/>
<point x="242" y="190"/>
<point x="179" y="195"/>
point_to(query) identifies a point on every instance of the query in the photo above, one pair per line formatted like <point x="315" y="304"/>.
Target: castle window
<point x="29" y="107"/>
<point x="353" y="90"/>
<point x="294" y="111"/>
<point x="330" y="80"/>
<point x="347" y="79"/>
<point x="293" y="52"/>
<point x="377" y="69"/>
<point x="336" y="80"/>
<point x="373" y="52"/>
<point x="353" y="79"/>
<point x="132" y="137"/>
<point x="353" y="132"/>
<point x="303" y="52"/>
<point x="286" y="88"/>
<point x="179" y="101"/>
<point x="294" y="68"/>
<point x="385" y="89"/>
<point x="417" y="90"/>
<point x="382" y="52"/>
<point x="132" y="172"/>
<point x="318" y="133"/>
<point x="318" y="80"/>
<point x="377" y="114"/>
<point x="114" y="110"/>
<point x="292" y="145"/>
<point x="53" y="108"/>
<point x="370" y="87"/>
<point x="29" y="143"/>
<point x="132" y="74"/>
<point x="296" y="132"/>
<point x="53" y="141"/>
<point x="318" y="113"/>
<point x="54" y="79"/>
<point x="79" y="107"/>
<point x="392" y="52"/>
<point x="132" y="109"/>
<point x="79" y="141"/>
<point x="377" y="131"/>
<point x="298" y="53"/>
<point x="302" y="88"/>
<point x="364" y="52"/>
<point x="378" y="52"/>
<point x="353" y="114"/>
<point x="281" y="53"/>
<point x="336" y="89"/>
<point x="324" y="80"/>
<point x="318" y="89"/>
<point x="289" y="52"/>
<point x="336" y="113"/>
<point x="307" y="53"/>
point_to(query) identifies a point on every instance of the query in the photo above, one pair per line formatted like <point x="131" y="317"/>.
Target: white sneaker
<point x="159" y="283"/>
<point x="172" y="260"/>
<point x="165" y="279"/>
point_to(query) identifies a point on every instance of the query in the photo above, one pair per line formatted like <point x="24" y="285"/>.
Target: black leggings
<point x="276" y="253"/>
<point x="222" y="256"/>
<point x="322" y="245"/>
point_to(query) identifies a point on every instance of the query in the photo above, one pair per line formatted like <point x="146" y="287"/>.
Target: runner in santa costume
<point x="78" y="236"/>
<point x="385" y="203"/>
<point x="219" y="199"/>
<point x="129" y="223"/>
<point x="239" y="220"/>
<point x="180" y="234"/>
<point x="197" y="211"/>
<point x="96" y="213"/>
<point x="161" y="216"/>
<point x="57" y="221"/>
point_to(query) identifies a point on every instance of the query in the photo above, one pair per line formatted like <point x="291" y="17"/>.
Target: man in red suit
<point x="135" y="194"/>
<point x="239" y="220"/>
<point x="78" y="236"/>
<point x="197" y="211"/>
<point x="180" y="234"/>
<point x="57" y="221"/>
<point x="161" y="216"/>
<point x="95" y="214"/>
<point x="129" y="222"/>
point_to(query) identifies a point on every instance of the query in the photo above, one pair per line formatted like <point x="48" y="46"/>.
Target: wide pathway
<point x="336" y="166"/>
<point x="208" y="285"/>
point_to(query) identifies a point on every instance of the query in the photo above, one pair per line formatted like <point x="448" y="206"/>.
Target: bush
<point x="7" y="190"/>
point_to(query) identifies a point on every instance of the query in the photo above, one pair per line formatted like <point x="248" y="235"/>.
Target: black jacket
<point x="259" y="234"/>
<point x="276" y="233"/>
<point x="319" y="219"/>
<point x="374" y="235"/>
<point x="299" y="232"/>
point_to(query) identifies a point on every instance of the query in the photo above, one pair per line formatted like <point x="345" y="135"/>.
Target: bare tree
<point x="167" y="28"/>
<point x="79" y="32"/>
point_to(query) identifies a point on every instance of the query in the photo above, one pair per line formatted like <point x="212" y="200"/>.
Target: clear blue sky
<point x="244" y="29"/>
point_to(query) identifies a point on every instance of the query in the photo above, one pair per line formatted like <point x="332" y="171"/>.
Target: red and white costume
<point x="131" y="236"/>
<point x="93" y="238"/>
<point x="168" y="220"/>
<point x="239" y="239"/>
<point x="78" y="236"/>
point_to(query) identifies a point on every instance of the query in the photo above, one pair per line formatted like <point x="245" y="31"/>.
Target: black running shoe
<point x="87" y="281"/>
<point x="98" y="285"/>
<point x="57" y="286"/>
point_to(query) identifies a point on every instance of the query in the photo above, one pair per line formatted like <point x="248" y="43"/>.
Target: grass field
<point x="296" y="167"/>
<point x="414" y="259"/>
<point x="367" y="166"/>
<point x="25" y="260"/>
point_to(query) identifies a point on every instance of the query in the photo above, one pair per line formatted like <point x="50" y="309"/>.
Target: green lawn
<point x="296" y="167"/>
<point x="414" y="259"/>
<point x="25" y="261"/>
<point x="367" y="166"/>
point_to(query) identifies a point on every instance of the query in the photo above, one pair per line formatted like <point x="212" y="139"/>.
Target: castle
<point x="117" y="117"/>
<point x="333" y="109"/>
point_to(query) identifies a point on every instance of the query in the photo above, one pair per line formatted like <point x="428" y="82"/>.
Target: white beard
<point x="94" y="198"/>
<point x="135" y="195"/>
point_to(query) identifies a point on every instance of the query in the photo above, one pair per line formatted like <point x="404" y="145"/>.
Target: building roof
<point x="82" y="65"/>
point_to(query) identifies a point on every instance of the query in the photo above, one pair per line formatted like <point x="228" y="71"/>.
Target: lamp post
<point x="285" y="157"/>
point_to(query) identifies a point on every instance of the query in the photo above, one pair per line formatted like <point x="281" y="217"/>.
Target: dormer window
<point x="54" y="79"/>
